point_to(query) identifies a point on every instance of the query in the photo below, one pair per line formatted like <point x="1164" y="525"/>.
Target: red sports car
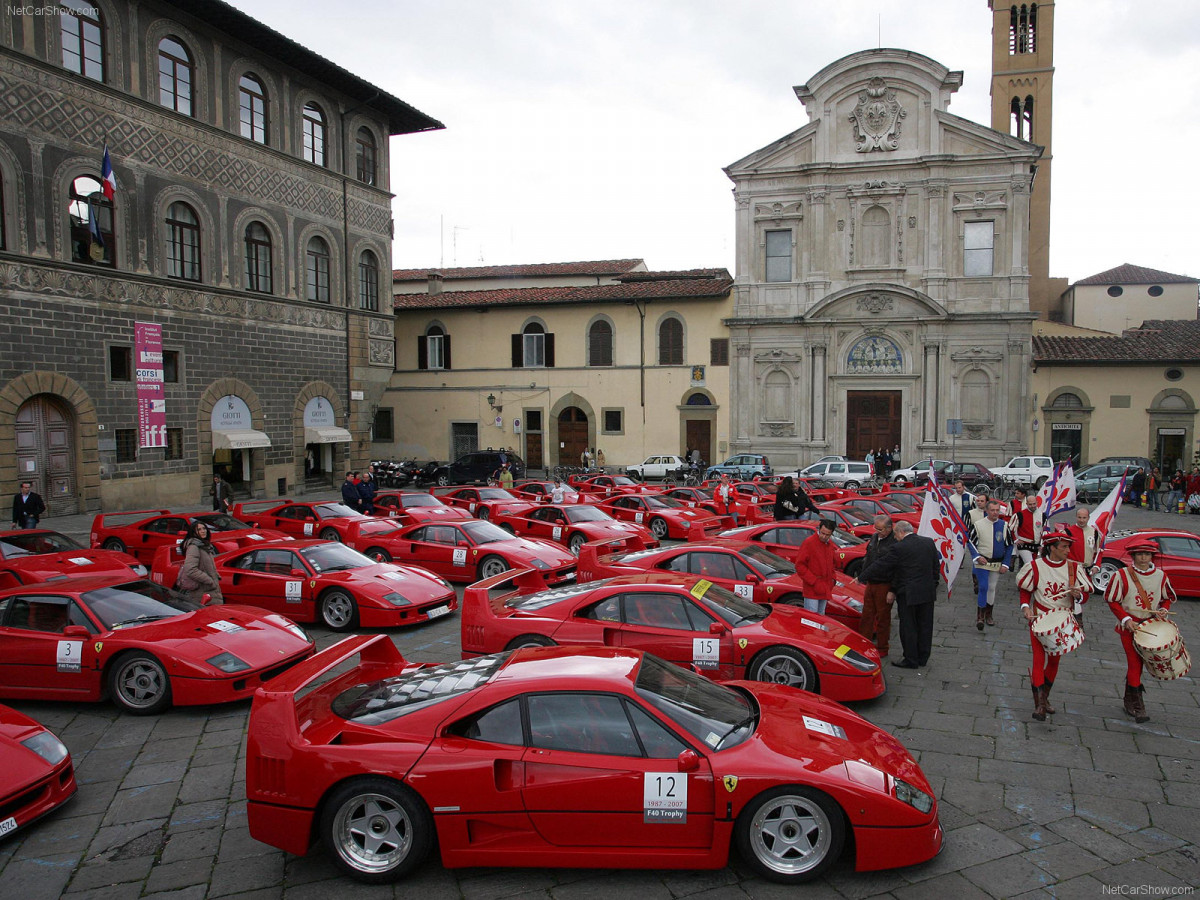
<point x="848" y="519"/>
<point x="141" y="533"/>
<point x="870" y="507"/>
<point x="694" y="496"/>
<point x="666" y="518"/>
<point x="37" y="772"/>
<point x="327" y="521"/>
<point x="410" y="507"/>
<point x="137" y="642"/>
<point x="325" y="581"/>
<point x="1178" y="557"/>
<point x="541" y="491"/>
<point x="600" y="486"/>
<point x="575" y="524"/>
<point x="483" y="503"/>
<point x="747" y="569"/>
<point x="821" y="491"/>
<point x="573" y="757"/>
<point x="467" y="551"/>
<point x="685" y="620"/>
<point x="785" y="538"/>
<point x="33" y="555"/>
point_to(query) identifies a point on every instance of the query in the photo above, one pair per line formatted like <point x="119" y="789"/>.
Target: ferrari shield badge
<point x="742" y="643"/>
<point x="99" y="646"/>
<point x="730" y="782"/>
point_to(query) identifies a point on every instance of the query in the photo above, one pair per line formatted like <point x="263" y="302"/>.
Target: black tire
<point x="115" y="544"/>
<point x="484" y="513"/>
<point x="138" y="684"/>
<point x="783" y="665"/>
<point x="384" y="555"/>
<point x="442" y="480"/>
<point x="508" y="528"/>
<point x="636" y="476"/>
<point x="529" y="640"/>
<point x="376" y="811"/>
<point x="337" y="610"/>
<point x="330" y="534"/>
<point x="850" y="485"/>
<point x="1038" y="484"/>
<point x="900" y="479"/>
<point x="790" y="834"/>
<point x="491" y="566"/>
<point x="575" y="542"/>
<point x="658" y="527"/>
<point x="791" y="600"/>
<point x="854" y="567"/>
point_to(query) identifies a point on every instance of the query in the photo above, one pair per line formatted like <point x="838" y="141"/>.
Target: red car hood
<point x="603" y="531"/>
<point x="244" y="537"/>
<point x="388" y="577"/>
<point x="241" y="630"/>
<point x="432" y="513"/>
<point x="75" y="562"/>
<point x="793" y="622"/>
<point x="550" y="553"/>
<point x="20" y="765"/>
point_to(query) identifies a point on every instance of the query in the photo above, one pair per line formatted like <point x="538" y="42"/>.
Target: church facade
<point x="882" y="285"/>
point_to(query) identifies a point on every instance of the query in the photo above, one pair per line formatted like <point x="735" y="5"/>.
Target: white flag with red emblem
<point x="940" y="522"/>
<point x="1106" y="511"/>
<point x="1061" y="494"/>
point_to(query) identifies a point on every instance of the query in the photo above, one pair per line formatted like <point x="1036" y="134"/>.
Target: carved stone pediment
<point x="782" y="357"/>
<point x="778" y="212"/>
<point x="980" y="200"/>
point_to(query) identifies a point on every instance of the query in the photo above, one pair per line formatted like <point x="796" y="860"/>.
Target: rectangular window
<point x="978" y="241"/>
<point x="384" y="431"/>
<point x="779" y="256"/>
<point x="171" y="366"/>
<point x="120" y="363"/>
<point x="613" y="420"/>
<point x="433" y="344"/>
<point x="183" y="250"/>
<point x="533" y="420"/>
<point x="127" y="441"/>
<point x="718" y="352"/>
<point x="534" y="350"/>
<point x="174" y="443"/>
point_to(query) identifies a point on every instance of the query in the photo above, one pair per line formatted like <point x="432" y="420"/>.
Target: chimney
<point x="435" y="282"/>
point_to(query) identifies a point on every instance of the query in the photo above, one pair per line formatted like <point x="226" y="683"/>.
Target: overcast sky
<point x="581" y="129"/>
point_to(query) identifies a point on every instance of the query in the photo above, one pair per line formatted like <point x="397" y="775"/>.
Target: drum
<point x="1058" y="632"/>
<point x="1161" y="648"/>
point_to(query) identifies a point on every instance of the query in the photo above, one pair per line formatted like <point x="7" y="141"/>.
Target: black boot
<point x="979" y="618"/>
<point x="1046" y="695"/>
<point x="1039" y="703"/>
<point x="987" y="614"/>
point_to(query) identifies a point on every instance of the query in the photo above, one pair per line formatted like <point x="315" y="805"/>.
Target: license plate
<point x="437" y="611"/>
<point x="9" y="824"/>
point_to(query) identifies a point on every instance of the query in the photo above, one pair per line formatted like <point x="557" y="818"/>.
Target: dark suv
<point x="479" y="466"/>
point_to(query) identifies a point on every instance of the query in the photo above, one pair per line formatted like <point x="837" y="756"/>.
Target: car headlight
<point x="396" y="599"/>
<point x="860" y="662"/>
<point x="913" y="796"/>
<point x="140" y="570"/>
<point x="289" y="626"/>
<point x="228" y="663"/>
<point x="540" y="564"/>
<point x="47" y="746"/>
<point x="855" y="605"/>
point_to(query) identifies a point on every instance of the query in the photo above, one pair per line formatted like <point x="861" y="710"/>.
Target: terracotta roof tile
<point x="677" y="289"/>
<point x="1127" y="273"/>
<point x="675" y="275"/>
<point x="531" y="270"/>
<point x="1156" y="341"/>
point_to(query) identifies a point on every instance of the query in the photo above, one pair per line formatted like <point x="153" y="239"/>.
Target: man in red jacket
<point x="814" y="565"/>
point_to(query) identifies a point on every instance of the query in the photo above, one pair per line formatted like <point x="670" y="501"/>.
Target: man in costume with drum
<point x="989" y="542"/>
<point x="1137" y="596"/>
<point x="1085" y="540"/>
<point x="1027" y="523"/>
<point x="1049" y="590"/>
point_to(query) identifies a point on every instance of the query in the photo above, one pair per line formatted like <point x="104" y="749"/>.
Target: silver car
<point x="846" y="473"/>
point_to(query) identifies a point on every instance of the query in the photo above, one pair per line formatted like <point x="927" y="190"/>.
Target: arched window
<point x="92" y="217"/>
<point x="534" y="345"/>
<point x="364" y="156"/>
<point x="433" y="349"/>
<point x="183" y="242"/>
<point x="258" y="258"/>
<point x="670" y="342"/>
<point x="314" y="134"/>
<point x="175" y="76"/>
<point x="876" y="237"/>
<point x="1067" y="401"/>
<point x="1021" y="118"/>
<point x="82" y="33"/>
<point x="1022" y="29"/>
<point x="600" y="344"/>
<point x="316" y="270"/>
<point x="252" y="102"/>
<point x="698" y="399"/>
<point x="368" y="281"/>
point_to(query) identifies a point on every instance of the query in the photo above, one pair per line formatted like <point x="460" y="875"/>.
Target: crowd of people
<point x="885" y="461"/>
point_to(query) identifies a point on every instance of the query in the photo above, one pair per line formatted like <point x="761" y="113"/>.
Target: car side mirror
<point x="716" y="628"/>
<point x="297" y="573"/>
<point x="754" y="578"/>
<point x="76" y="631"/>
<point x="688" y="761"/>
<point x="462" y="544"/>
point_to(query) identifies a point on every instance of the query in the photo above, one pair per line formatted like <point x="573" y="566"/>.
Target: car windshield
<point x="136" y="603"/>
<point x="586" y="514"/>
<point x="410" y="500"/>
<point x="334" y="557"/>
<point x="854" y="517"/>
<point x="334" y="511"/>
<point x="729" y="607"/>
<point x="383" y="526"/>
<point x="715" y="715"/>
<point x="485" y="532"/>
<point x="495" y="494"/>
<point x="846" y="539"/>
<point x="31" y="543"/>
<point x="766" y="563"/>
<point x="222" y="522"/>
<point x="377" y="702"/>
<point x="623" y="481"/>
<point x="905" y="501"/>
<point x="656" y="502"/>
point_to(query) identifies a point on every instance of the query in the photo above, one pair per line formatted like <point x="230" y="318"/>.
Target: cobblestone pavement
<point x="1088" y="804"/>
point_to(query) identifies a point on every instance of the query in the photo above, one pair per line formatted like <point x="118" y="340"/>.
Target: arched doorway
<point x="45" y="436"/>
<point x="572" y="435"/>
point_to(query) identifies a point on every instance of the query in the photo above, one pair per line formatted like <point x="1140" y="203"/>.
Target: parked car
<point x="141" y="533"/>
<point x="138" y="643"/>
<point x="742" y="467"/>
<point x="576" y="524"/>
<point x="542" y="491"/>
<point x="37" y="554"/>
<point x="485" y="502"/>
<point x="576" y="757"/>
<point x="847" y="474"/>
<point x="597" y="487"/>
<point x="1179" y="557"/>
<point x="909" y="475"/>
<point x="784" y="539"/>
<point x="36" y="773"/>
<point x="1026" y="470"/>
<point x="974" y="476"/>
<point x="409" y="507"/>
<point x="478" y="466"/>
<point x="656" y="467"/>
<point x="878" y="506"/>
<point x="1135" y="462"/>
<point x="665" y="517"/>
<point x="685" y="620"/>
<point x="328" y="521"/>
<point x="1094" y="483"/>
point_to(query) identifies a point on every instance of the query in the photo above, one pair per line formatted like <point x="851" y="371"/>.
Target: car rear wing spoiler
<point x="527" y="581"/>
<point x="589" y="558"/>
<point x="103" y="520"/>
<point x="257" y="506"/>
<point x="164" y="569"/>
<point x="701" y="532"/>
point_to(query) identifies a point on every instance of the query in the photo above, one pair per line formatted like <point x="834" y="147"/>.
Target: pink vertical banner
<point x="148" y="372"/>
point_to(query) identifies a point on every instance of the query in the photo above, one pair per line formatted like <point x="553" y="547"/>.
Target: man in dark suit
<point x="913" y="568"/>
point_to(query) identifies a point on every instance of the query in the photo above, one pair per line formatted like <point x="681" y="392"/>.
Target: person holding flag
<point x="941" y="522"/>
<point x="1085" y="540"/>
<point x="991" y="547"/>
<point x="1027" y="524"/>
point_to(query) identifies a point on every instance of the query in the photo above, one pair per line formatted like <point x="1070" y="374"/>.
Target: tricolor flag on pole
<point x="941" y="522"/>
<point x="108" y="181"/>
<point x="1106" y="511"/>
